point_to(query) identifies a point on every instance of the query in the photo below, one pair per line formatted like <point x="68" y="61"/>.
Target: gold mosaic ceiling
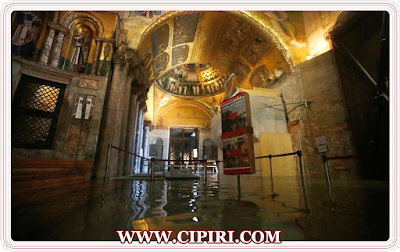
<point x="192" y="54"/>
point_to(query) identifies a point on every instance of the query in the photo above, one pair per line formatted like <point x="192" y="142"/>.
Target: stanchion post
<point x="239" y="190"/>
<point x="153" y="161"/>
<point x="272" y="180"/>
<point x="325" y="161"/>
<point x="108" y="160"/>
<point x="205" y="169"/>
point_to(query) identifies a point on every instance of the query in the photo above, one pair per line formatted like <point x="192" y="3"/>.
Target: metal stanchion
<point x="153" y="161"/>
<point x="239" y="190"/>
<point x="325" y="161"/>
<point x="272" y="179"/>
<point x="205" y="169"/>
<point x="108" y="161"/>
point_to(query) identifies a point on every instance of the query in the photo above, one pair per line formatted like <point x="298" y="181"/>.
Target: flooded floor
<point x="353" y="210"/>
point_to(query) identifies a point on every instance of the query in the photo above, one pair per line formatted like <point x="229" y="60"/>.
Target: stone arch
<point x="71" y="17"/>
<point x="181" y="103"/>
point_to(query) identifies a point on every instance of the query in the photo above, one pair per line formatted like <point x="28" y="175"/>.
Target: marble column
<point x="58" y="47"/>
<point x="45" y="54"/>
<point x="139" y="138"/>
<point x="50" y="47"/>
<point x="131" y="128"/>
<point x="145" y="144"/>
<point x="111" y="124"/>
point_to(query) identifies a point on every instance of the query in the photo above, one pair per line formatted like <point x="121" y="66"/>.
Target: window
<point x="35" y="112"/>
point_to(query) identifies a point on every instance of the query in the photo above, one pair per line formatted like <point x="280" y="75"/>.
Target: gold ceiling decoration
<point x="222" y="42"/>
<point x="192" y="81"/>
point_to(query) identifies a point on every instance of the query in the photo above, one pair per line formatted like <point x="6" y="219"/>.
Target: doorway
<point x="182" y="142"/>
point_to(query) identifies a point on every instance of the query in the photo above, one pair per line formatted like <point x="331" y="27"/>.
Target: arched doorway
<point x="209" y="150"/>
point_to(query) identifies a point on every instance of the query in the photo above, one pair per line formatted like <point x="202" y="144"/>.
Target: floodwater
<point x="353" y="210"/>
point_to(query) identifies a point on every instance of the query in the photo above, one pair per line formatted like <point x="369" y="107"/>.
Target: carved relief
<point x="89" y="83"/>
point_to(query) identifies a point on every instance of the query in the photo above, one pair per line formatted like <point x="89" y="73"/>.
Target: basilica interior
<point x="96" y="95"/>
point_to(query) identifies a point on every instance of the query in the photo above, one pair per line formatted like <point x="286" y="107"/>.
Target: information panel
<point x="238" y="150"/>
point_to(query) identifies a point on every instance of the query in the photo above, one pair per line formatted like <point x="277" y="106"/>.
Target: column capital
<point x="101" y="39"/>
<point x="58" y="27"/>
<point x="119" y="61"/>
<point x="147" y="123"/>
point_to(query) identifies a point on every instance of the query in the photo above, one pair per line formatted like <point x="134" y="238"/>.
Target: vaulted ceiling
<point x="202" y="55"/>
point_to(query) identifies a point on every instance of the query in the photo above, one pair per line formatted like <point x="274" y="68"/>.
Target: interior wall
<point x="164" y="135"/>
<point x="318" y="80"/>
<point x="66" y="140"/>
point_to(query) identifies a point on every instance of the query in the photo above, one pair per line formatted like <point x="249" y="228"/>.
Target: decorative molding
<point x="50" y="73"/>
<point x="102" y="39"/>
<point x="58" y="27"/>
<point x="45" y="72"/>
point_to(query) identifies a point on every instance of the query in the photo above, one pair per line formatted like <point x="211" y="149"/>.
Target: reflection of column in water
<point x="159" y="211"/>
<point x="139" y="196"/>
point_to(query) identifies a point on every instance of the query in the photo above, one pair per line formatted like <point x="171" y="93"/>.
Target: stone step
<point x="41" y="170"/>
<point x="67" y="164"/>
<point x="44" y="181"/>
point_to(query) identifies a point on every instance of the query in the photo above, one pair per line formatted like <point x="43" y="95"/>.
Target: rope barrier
<point x="377" y="155"/>
<point x="166" y="160"/>
<point x="201" y="160"/>
<point x="281" y="155"/>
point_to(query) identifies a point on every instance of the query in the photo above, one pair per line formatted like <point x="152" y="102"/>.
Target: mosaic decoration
<point x="185" y="28"/>
<point x="256" y="50"/>
<point x="261" y="77"/>
<point x="241" y="70"/>
<point x="26" y="34"/>
<point x="160" y="63"/>
<point x="192" y="80"/>
<point x="180" y="54"/>
<point x="160" y="40"/>
<point x="147" y="14"/>
<point x="231" y="40"/>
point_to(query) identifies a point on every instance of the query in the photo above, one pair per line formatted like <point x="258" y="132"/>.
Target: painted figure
<point x="80" y="54"/>
<point x="282" y="24"/>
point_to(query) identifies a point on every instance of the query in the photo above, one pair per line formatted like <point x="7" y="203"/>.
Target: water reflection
<point x="303" y="211"/>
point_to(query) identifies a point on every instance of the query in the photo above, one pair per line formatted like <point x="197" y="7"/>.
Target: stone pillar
<point x="111" y="127"/>
<point x="126" y="92"/>
<point x="117" y="126"/>
<point x="145" y="144"/>
<point x="95" y="63"/>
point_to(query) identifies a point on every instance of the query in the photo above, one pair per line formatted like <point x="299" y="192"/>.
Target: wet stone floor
<point x="355" y="210"/>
